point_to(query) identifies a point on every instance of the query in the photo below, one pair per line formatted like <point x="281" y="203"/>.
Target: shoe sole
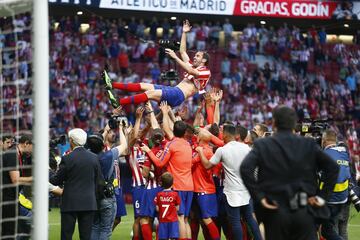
<point x="114" y="102"/>
<point x="107" y="81"/>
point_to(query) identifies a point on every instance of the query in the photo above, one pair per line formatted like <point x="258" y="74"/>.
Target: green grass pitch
<point x="122" y="232"/>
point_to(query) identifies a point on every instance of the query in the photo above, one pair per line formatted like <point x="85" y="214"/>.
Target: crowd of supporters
<point x="319" y="79"/>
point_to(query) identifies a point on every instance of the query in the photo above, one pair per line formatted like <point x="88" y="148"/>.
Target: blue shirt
<point x="350" y="80"/>
<point x="341" y="156"/>
<point x="107" y="161"/>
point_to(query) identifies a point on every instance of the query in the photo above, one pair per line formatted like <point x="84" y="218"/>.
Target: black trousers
<point x="284" y="224"/>
<point x="85" y="220"/>
<point x="329" y="227"/>
<point x="8" y="223"/>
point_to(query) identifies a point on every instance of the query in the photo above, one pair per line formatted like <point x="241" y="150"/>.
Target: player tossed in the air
<point x="167" y="204"/>
<point x="195" y="79"/>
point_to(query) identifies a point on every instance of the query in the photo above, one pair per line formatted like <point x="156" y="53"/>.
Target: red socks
<point x="194" y="225"/>
<point x="129" y="87"/>
<point x="136" y="99"/>
<point x="146" y="231"/>
<point x="213" y="231"/>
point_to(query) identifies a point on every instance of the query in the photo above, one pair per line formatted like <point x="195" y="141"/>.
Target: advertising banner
<point x="307" y="9"/>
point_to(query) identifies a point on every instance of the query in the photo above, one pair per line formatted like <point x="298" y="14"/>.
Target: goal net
<point x="24" y="149"/>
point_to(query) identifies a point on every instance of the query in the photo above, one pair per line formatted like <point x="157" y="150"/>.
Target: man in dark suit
<point x="285" y="193"/>
<point x="78" y="173"/>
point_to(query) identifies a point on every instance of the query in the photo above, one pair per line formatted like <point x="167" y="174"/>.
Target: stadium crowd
<point x="304" y="72"/>
<point x="249" y="95"/>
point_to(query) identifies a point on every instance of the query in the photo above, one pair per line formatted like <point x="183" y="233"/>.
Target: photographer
<point x="339" y="197"/>
<point x="195" y="80"/>
<point x="104" y="217"/>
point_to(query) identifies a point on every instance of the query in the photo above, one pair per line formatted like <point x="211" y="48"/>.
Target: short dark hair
<point x="242" y="132"/>
<point x="207" y="57"/>
<point x="6" y="137"/>
<point x="180" y="128"/>
<point x="214" y="129"/>
<point x="285" y="118"/>
<point x="229" y="129"/>
<point x="166" y="180"/>
<point x="26" y="139"/>
<point x="95" y="143"/>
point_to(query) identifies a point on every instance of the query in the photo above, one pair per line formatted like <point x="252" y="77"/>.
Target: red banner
<point x="285" y="8"/>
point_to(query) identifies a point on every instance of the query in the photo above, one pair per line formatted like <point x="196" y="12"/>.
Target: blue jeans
<point x="104" y="219"/>
<point x="234" y="216"/>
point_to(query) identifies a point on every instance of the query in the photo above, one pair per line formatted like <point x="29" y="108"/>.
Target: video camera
<point x="56" y="141"/>
<point x="170" y="75"/>
<point x="314" y="129"/>
<point x="173" y="45"/>
<point x="114" y="121"/>
<point x="354" y="197"/>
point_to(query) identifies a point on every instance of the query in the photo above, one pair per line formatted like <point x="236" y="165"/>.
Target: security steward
<point x="286" y="196"/>
<point x="339" y="197"/>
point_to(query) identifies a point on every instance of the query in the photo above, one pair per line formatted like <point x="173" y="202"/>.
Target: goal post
<point x="12" y="110"/>
<point x="41" y="119"/>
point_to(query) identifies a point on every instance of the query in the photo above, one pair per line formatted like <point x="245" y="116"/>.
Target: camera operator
<point x="285" y="193"/>
<point x="104" y="217"/>
<point x="195" y="80"/>
<point x="13" y="167"/>
<point x="339" y="197"/>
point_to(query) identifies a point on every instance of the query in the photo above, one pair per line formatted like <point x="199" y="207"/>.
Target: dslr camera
<point x="114" y="121"/>
<point x="56" y="141"/>
<point x="173" y="45"/>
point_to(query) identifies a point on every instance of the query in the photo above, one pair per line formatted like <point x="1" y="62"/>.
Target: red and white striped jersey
<point x="202" y="80"/>
<point x="156" y="172"/>
<point x="136" y="161"/>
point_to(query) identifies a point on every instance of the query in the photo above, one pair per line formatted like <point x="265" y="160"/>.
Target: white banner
<point x="216" y="7"/>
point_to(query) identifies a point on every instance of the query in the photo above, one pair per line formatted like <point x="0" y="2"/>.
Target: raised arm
<point x="166" y="120"/>
<point x="153" y="122"/>
<point x="209" y="106"/>
<point x="186" y="29"/>
<point x="199" y="117"/>
<point x="217" y="98"/>
<point x="139" y="113"/>
<point x="123" y="143"/>
<point x="187" y="67"/>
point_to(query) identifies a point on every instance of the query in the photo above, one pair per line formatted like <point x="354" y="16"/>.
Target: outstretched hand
<point x="218" y="96"/>
<point x="164" y="107"/>
<point x="170" y="52"/>
<point x="139" y="112"/>
<point x="118" y="111"/>
<point x="186" y="26"/>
